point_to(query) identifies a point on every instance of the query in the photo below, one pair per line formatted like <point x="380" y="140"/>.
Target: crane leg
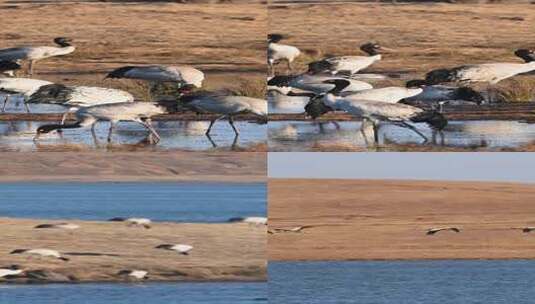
<point x="27" y="107"/>
<point x="212" y="124"/>
<point x="110" y="131"/>
<point x="94" y="134"/>
<point x="289" y="66"/>
<point x="231" y="122"/>
<point x="406" y="125"/>
<point x="147" y="124"/>
<point x="5" y="102"/>
<point x="30" y="69"/>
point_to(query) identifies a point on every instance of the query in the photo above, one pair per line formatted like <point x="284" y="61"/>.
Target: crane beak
<point x="383" y="49"/>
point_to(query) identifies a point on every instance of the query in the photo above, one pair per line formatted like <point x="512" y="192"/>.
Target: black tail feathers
<point x="433" y="118"/>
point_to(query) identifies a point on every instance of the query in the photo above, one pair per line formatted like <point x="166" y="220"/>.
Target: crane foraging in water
<point x="372" y="112"/>
<point x="140" y="112"/>
<point x="226" y="106"/>
<point x="76" y="97"/>
<point x="24" y="86"/>
<point x="35" y="53"/>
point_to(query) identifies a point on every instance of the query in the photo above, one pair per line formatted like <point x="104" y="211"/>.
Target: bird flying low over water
<point x="67" y="226"/>
<point x="75" y="97"/>
<point x="35" y="53"/>
<point x="526" y="54"/>
<point x="433" y="231"/>
<point x="40" y="253"/>
<point x="278" y="52"/>
<point x="180" y="248"/>
<point x="134" y="221"/>
<point x="226" y="107"/>
<point x="139" y="112"/>
<point x="24" y="86"/>
<point x="351" y="64"/>
<point x="256" y="220"/>
<point x="11" y="270"/>
<point x="136" y="274"/>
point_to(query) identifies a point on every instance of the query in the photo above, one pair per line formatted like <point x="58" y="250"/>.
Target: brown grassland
<point x="424" y="36"/>
<point x="388" y="219"/>
<point x="226" y="41"/>
<point x="221" y="251"/>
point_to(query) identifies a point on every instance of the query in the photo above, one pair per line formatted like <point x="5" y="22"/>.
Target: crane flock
<point x="335" y="83"/>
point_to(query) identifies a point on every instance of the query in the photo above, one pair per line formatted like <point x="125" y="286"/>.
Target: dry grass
<point x="516" y="90"/>
<point x="221" y="251"/>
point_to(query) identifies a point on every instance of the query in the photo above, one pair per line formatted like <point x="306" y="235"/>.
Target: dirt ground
<point x="221" y="251"/>
<point x="423" y="36"/>
<point x="226" y="41"/>
<point x="139" y="166"/>
<point x="378" y="219"/>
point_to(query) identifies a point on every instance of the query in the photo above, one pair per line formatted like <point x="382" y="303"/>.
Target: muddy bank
<point x="366" y="219"/>
<point x="97" y="251"/>
<point x="139" y="166"/>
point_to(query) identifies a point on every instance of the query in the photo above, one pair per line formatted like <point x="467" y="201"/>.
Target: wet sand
<point x="221" y="251"/>
<point x="388" y="220"/>
<point x="83" y="166"/>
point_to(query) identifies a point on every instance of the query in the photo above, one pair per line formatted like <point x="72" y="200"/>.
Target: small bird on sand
<point x="40" y="253"/>
<point x="11" y="270"/>
<point x="68" y="226"/>
<point x="525" y="229"/>
<point x="180" y="248"/>
<point x="136" y="274"/>
<point x="134" y="221"/>
<point x="432" y="231"/>
<point x="256" y="220"/>
<point x="293" y="229"/>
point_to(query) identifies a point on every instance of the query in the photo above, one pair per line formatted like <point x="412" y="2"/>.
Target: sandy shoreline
<point x="222" y="252"/>
<point x="387" y="220"/>
<point x="133" y="166"/>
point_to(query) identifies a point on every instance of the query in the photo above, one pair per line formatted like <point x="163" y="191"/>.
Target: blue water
<point x="420" y="282"/>
<point x="183" y="293"/>
<point x="178" y="202"/>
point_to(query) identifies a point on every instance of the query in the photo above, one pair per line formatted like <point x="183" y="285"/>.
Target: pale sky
<point x="511" y="167"/>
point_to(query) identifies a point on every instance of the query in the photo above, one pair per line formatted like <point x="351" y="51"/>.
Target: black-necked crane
<point x="434" y="95"/>
<point x="180" y="248"/>
<point x="11" y="270"/>
<point x="350" y="64"/>
<point x="186" y="77"/>
<point x="278" y="52"/>
<point x="76" y="97"/>
<point x="135" y="274"/>
<point x="134" y="221"/>
<point x="254" y="220"/>
<point x="226" y="106"/>
<point x="140" y="112"/>
<point x="9" y="67"/>
<point x="433" y="231"/>
<point x="20" y="86"/>
<point x="35" y="53"/>
<point x="490" y="73"/>
<point x="313" y="83"/>
<point x="372" y="112"/>
<point x="40" y="252"/>
<point x="66" y="226"/>
<point x="526" y="54"/>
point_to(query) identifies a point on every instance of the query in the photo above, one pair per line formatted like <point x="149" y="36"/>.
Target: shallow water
<point x="398" y="282"/>
<point x="177" y="202"/>
<point x="183" y="293"/>
<point x="302" y="136"/>
<point x="18" y="135"/>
